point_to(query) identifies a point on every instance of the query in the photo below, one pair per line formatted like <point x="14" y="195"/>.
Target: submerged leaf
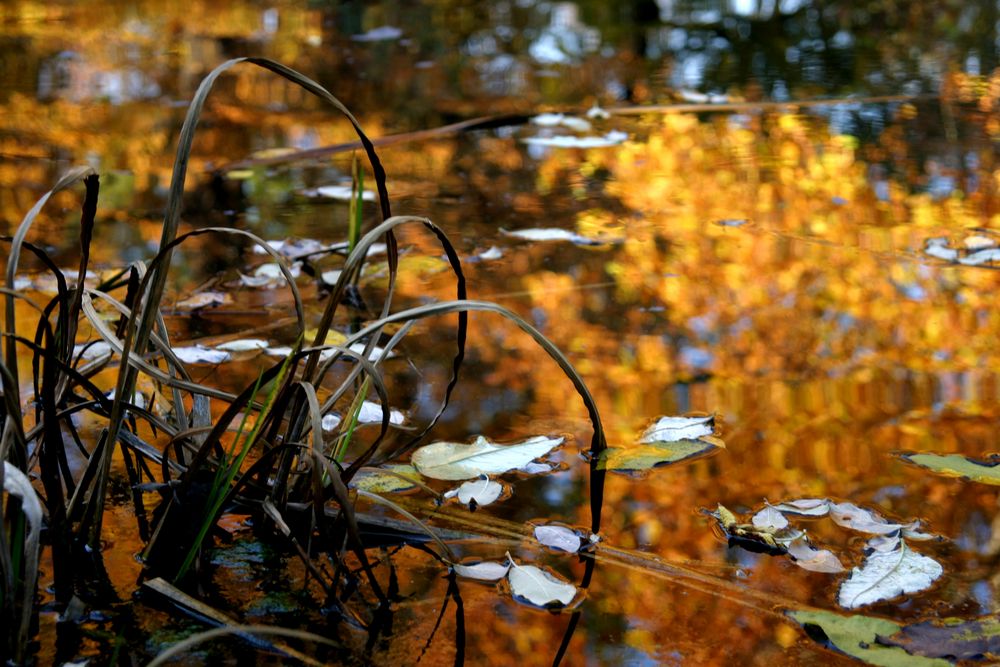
<point x="672" y="429"/>
<point x="388" y="478"/>
<point x="477" y="492"/>
<point x="539" y="587"/>
<point x="453" y="461"/>
<point x="886" y="574"/>
<point x="483" y="571"/>
<point x="956" y="465"/>
<point x="644" y="457"/>
<point x="949" y="638"/>
<point x="857" y="636"/>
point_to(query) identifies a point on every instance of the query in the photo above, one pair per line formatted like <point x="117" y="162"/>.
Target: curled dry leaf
<point x="477" y="492"/>
<point x="805" y="506"/>
<point x="674" y="429"/>
<point x="808" y="557"/>
<point x="388" y="478"/>
<point x="857" y="518"/>
<point x="769" y="518"/>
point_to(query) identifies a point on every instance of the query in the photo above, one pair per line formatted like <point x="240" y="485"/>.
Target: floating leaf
<point x="808" y="557"/>
<point x="382" y="33"/>
<point x="938" y="247"/>
<point x="644" y="457"/>
<point x="198" y="354"/>
<point x="205" y="300"/>
<point x="769" y="518"/>
<point x="672" y="429"/>
<point x="477" y="492"/>
<point x="978" y="242"/>
<point x="536" y="468"/>
<point x="981" y="257"/>
<point x="483" y="571"/>
<point x="556" y="119"/>
<point x="612" y="138"/>
<point x="539" y="587"/>
<point x="92" y="351"/>
<point x="330" y="277"/>
<point x="805" y="506"/>
<point x="956" y="465"/>
<point x="243" y="345"/>
<point x="370" y="413"/>
<point x="949" y="638"/>
<point x="555" y="234"/>
<point x="857" y="518"/>
<point x="343" y="192"/>
<point x="886" y="574"/>
<point x="388" y="478"/>
<point x="493" y="253"/>
<point x="561" y="538"/>
<point x="858" y="636"/>
<point x="452" y="460"/>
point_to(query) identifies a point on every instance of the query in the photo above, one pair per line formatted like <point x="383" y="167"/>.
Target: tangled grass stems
<point x="283" y="463"/>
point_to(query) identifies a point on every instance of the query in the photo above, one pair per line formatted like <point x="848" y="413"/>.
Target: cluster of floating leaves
<point x="890" y="568"/>
<point x="974" y="250"/>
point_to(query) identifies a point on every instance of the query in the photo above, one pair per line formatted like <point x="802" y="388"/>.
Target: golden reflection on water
<point x="767" y="269"/>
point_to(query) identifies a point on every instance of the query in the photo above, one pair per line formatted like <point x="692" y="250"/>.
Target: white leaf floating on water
<point x="673" y="429"/>
<point x="330" y="277"/>
<point x="805" y="506"/>
<point x="453" y="461"/>
<point x="857" y="518"/>
<point x="938" y="247"/>
<point x="243" y="345"/>
<point x="493" y="253"/>
<point x="483" y="491"/>
<point x="197" y="354"/>
<point x="205" y="300"/>
<point x="887" y="574"/>
<point x="539" y="587"/>
<point x="370" y="413"/>
<point x="597" y="113"/>
<point x="559" y="537"/>
<point x="535" y="468"/>
<point x="343" y="193"/>
<point x="96" y="351"/>
<point x="978" y="242"/>
<point x="769" y="518"/>
<point x="484" y="571"/>
<point x="555" y="119"/>
<point x="810" y="558"/>
<point x="987" y="256"/>
<point x="612" y="138"/>
<point x="138" y="400"/>
<point x="553" y="234"/>
<point x="269" y="275"/>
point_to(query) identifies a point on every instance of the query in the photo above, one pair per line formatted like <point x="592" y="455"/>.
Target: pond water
<point x="817" y="276"/>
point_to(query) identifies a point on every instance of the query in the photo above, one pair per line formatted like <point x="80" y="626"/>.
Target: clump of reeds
<point x="279" y="464"/>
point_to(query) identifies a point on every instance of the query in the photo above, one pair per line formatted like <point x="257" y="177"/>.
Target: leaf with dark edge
<point x="857" y="637"/>
<point x="949" y="638"/>
<point x="956" y="465"/>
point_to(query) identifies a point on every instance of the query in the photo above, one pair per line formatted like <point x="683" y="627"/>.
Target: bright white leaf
<point x="805" y="506"/>
<point x="452" y="460"/>
<point x="243" y="345"/>
<point x="331" y="421"/>
<point x="888" y="574"/>
<point x="980" y="257"/>
<point x="138" y="400"/>
<point x="281" y="351"/>
<point x="612" y="138"/>
<point x="911" y="531"/>
<point x="978" y="242"/>
<point x="197" y="354"/>
<point x="330" y="277"/>
<point x="539" y="587"/>
<point x="95" y="351"/>
<point x="493" y="253"/>
<point x="547" y="119"/>
<point x="938" y="247"/>
<point x="484" y="571"/>
<point x="597" y="113"/>
<point x="553" y="234"/>
<point x="534" y="468"/>
<point x="483" y="491"/>
<point x="371" y="413"/>
<point x="857" y="518"/>
<point x="359" y="348"/>
<point x="559" y="537"/>
<point x="673" y="429"/>
<point x="343" y="193"/>
<point x="888" y="542"/>
<point x="810" y="558"/>
<point x="769" y="518"/>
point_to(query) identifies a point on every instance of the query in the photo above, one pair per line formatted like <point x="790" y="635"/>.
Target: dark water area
<point x="785" y="218"/>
